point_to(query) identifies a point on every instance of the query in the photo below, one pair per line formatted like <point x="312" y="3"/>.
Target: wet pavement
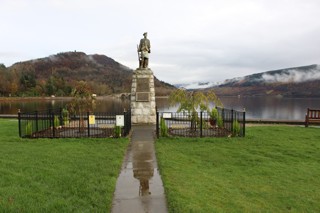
<point x="139" y="186"/>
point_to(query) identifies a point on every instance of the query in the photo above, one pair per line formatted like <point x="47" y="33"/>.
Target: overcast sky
<point x="191" y="40"/>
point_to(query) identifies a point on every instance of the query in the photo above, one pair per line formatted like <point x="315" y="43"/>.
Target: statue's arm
<point x="140" y="45"/>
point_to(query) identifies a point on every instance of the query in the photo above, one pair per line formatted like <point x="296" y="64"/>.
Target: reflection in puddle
<point x="139" y="186"/>
<point x="143" y="165"/>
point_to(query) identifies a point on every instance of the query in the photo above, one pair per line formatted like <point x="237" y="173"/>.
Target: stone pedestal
<point x="143" y="100"/>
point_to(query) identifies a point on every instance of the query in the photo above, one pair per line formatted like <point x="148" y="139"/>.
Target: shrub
<point x="65" y="116"/>
<point x="216" y="118"/>
<point x="235" y="128"/>
<point x="220" y="121"/>
<point x="56" y="121"/>
<point x="214" y="114"/>
<point x="117" y="131"/>
<point x="29" y="128"/>
<point x="163" y="128"/>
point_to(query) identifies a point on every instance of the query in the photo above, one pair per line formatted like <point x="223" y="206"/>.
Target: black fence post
<point x="19" y="122"/>
<point x="53" y="126"/>
<point x="60" y="117"/>
<point x="201" y="124"/>
<point x="128" y="113"/>
<point x="50" y="121"/>
<point x="37" y="120"/>
<point x="129" y="120"/>
<point x="232" y="120"/>
<point x="88" y="124"/>
<point x="79" y="118"/>
<point x="223" y="117"/>
<point x="244" y="123"/>
<point x="157" y="124"/>
<point x="126" y="123"/>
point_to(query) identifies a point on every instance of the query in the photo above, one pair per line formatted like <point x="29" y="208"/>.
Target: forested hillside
<point x="57" y="75"/>
<point x="301" y="81"/>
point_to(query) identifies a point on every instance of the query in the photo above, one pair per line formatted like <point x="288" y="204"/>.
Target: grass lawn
<point x="272" y="169"/>
<point x="57" y="175"/>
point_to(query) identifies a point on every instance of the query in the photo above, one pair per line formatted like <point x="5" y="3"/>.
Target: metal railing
<point x="199" y="124"/>
<point x="59" y="123"/>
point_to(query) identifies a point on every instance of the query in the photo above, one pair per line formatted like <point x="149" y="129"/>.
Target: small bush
<point x="216" y="118"/>
<point x="29" y="128"/>
<point x="117" y="131"/>
<point x="214" y="114"/>
<point x="163" y="128"/>
<point x="65" y="116"/>
<point x="56" y="121"/>
<point x="220" y="121"/>
<point x="235" y="128"/>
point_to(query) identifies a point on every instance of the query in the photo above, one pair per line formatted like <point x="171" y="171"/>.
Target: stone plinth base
<point x="143" y="101"/>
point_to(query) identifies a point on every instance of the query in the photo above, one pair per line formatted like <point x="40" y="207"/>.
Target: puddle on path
<point x="139" y="186"/>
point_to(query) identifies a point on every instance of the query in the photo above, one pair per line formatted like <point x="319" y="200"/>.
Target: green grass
<point x="272" y="169"/>
<point x="57" y="175"/>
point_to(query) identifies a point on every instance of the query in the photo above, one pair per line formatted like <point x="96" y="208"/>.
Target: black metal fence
<point x="227" y="123"/>
<point x="59" y="123"/>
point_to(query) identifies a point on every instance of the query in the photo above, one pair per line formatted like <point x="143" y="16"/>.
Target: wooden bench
<point x="312" y="116"/>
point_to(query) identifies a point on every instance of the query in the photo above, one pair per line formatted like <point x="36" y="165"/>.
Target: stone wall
<point x="143" y="101"/>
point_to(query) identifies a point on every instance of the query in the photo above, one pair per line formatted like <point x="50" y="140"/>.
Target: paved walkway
<point x="139" y="186"/>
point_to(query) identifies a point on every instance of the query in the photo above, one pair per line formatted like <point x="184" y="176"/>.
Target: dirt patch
<point x="67" y="132"/>
<point x="210" y="132"/>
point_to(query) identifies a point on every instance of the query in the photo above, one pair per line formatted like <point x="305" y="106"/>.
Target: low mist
<point x="293" y="75"/>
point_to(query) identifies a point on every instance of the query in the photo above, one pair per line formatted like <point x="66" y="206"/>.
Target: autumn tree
<point x="9" y="81"/>
<point x="82" y="101"/>
<point x="3" y="80"/>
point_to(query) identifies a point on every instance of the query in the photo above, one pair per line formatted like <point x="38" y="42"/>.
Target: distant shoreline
<point x="14" y="99"/>
<point x="116" y="96"/>
<point x="26" y="99"/>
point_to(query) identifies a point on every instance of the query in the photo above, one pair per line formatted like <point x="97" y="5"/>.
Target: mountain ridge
<point x="57" y="74"/>
<point x="293" y="74"/>
<point x="303" y="81"/>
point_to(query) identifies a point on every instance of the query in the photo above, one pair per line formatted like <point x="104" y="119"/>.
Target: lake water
<point x="256" y="107"/>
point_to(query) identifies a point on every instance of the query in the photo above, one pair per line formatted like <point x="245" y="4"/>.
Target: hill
<point x="301" y="81"/>
<point x="57" y="74"/>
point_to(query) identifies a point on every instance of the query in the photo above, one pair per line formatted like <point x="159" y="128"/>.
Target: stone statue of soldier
<point x="143" y="51"/>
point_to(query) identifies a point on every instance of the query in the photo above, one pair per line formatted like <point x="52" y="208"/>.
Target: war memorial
<point x="143" y="101"/>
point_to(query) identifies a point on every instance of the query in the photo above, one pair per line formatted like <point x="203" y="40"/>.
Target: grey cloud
<point x="293" y="76"/>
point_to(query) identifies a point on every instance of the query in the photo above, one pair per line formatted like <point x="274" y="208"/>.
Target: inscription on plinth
<point x="143" y="89"/>
<point x="142" y="96"/>
<point x="143" y="106"/>
<point x="143" y="85"/>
